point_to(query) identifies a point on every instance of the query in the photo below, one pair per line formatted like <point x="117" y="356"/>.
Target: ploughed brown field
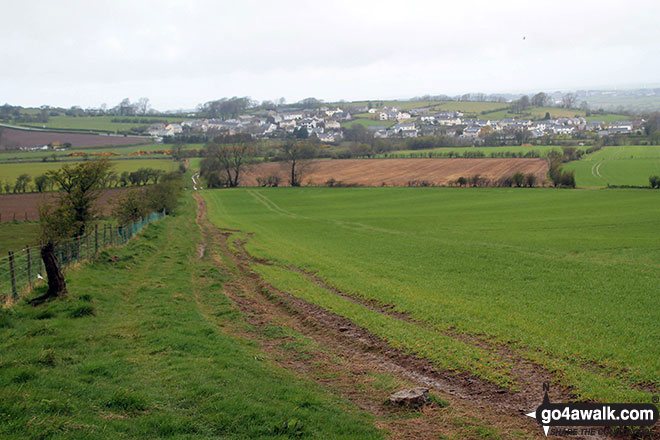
<point x="26" y="138"/>
<point x="399" y="172"/>
<point x="23" y="207"/>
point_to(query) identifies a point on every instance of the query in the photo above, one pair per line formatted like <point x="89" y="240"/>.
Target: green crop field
<point x="9" y="172"/>
<point x="469" y="107"/>
<point x="15" y="236"/>
<point x="14" y="155"/>
<point x="566" y="278"/>
<point x="103" y="123"/>
<point x="622" y="165"/>
<point x="138" y="348"/>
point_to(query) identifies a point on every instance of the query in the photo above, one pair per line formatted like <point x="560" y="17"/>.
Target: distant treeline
<point x="45" y="182"/>
<point x="136" y="120"/>
<point x="202" y="138"/>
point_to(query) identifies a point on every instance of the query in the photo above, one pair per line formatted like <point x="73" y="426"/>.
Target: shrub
<point x="271" y="180"/>
<point x="518" y="179"/>
<point x="504" y="181"/>
<point x="568" y="179"/>
<point x="420" y="183"/>
<point x="559" y="177"/>
<point x="478" y="181"/>
<point x="530" y="180"/>
<point x="131" y="207"/>
<point x="215" y="179"/>
<point x="654" y="181"/>
<point x="165" y="195"/>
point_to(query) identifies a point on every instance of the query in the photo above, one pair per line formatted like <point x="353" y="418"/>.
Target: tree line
<point x="224" y="165"/>
<point x="112" y="179"/>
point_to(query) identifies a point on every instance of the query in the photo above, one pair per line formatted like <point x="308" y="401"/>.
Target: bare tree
<point x="539" y="100"/>
<point x="297" y="157"/>
<point x="142" y="106"/>
<point x="568" y="101"/>
<point x="231" y="160"/>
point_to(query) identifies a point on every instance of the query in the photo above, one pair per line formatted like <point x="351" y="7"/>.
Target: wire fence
<point x="20" y="270"/>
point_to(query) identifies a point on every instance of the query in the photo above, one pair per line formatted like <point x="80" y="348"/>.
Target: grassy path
<point x="129" y="353"/>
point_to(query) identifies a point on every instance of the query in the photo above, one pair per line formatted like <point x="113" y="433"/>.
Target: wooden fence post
<point x="41" y="269"/>
<point x="87" y="240"/>
<point x="96" y="239"/>
<point x="13" y="275"/>
<point x="29" y="267"/>
<point x="105" y="229"/>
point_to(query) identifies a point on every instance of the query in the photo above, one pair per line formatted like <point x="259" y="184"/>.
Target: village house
<point x="403" y="129"/>
<point x="288" y="124"/>
<point x="332" y="125"/>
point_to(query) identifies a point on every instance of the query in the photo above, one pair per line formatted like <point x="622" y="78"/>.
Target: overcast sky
<point x="182" y="53"/>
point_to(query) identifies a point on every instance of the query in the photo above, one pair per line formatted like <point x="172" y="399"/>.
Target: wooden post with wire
<point x="13" y="274"/>
<point x="29" y="267"/>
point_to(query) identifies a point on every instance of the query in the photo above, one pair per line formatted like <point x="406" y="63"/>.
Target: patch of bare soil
<point x="25" y="207"/>
<point x="399" y="172"/>
<point x="13" y="138"/>
<point x="364" y="369"/>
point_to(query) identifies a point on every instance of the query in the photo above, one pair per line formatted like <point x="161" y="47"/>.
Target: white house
<point x="332" y="125"/>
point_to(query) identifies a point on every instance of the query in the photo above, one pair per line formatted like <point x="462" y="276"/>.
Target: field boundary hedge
<point x="20" y="269"/>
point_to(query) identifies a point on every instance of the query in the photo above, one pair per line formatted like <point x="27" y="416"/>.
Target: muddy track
<point x="362" y="352"/>
<point x="527" y="374"/>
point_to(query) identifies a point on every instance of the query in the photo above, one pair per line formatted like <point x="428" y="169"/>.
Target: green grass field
<point x="13" y="155"/>
<point x="137" y="350"/>
<point x="103" y="123"/>
<point x="623" y="165"/>
<point x="9" y="172"/>
<point x="495" y="110"/>
<point x="15" y="236"/>
<point x="567" y="278"/>
<point x="464" y="106"/>
<point x="555" y="112"/>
